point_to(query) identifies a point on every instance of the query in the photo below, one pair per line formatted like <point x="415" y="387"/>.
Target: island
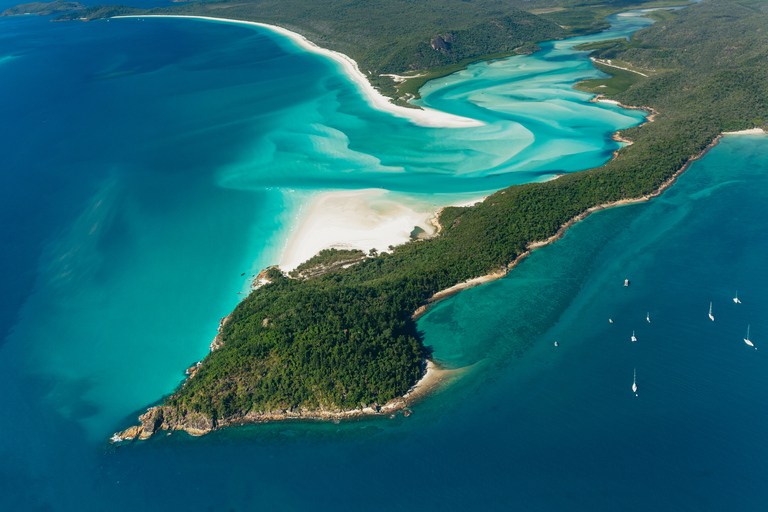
<point x="42" y="8"/>
<point x="337" y="337"/>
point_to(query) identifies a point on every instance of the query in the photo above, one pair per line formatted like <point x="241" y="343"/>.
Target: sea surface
<point x="152" y="166"/>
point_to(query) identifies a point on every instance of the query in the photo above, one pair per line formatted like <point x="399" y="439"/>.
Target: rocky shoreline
<point x="196" y="424"/>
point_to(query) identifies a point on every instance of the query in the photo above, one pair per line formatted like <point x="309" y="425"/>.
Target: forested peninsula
<point x="337" y="337"/>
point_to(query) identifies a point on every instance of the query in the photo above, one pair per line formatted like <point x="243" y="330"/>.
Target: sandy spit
<point x="353" y="219"/>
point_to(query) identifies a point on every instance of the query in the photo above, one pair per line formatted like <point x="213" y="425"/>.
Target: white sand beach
<point x="359" y="219"/>
<point x="751" y="131"/>
<point x="420" y="116"/>
<point x="353" y="219"/>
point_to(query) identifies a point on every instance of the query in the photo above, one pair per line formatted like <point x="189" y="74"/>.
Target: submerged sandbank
<point x="420" y="116"/>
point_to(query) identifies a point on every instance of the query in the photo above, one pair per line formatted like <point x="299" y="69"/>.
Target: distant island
<point x="337" y="338"/>
<point x="42" y="8"/>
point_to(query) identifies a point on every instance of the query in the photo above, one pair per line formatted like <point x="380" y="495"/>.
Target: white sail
<point x="747" y="340"/>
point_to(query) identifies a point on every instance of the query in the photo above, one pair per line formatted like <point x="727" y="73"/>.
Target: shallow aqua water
<point x="147" y="165"/>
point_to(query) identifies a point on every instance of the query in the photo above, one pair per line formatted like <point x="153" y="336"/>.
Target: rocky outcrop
<point x="166" y="418"/>
<point x="263" y="278"/>
<point x="198" y="424"/>
<point x="442" y="43"/>
<point x="218" y="341"/>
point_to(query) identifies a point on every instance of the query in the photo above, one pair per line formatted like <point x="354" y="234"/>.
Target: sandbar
<point x="353" y="219"/>
<point x="420" y="116"/>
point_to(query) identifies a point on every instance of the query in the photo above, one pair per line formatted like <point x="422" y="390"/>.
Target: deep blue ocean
<point x="149" y="163"/>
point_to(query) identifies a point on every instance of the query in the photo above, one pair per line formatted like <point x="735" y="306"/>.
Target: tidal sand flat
<point x="354" y="219"/>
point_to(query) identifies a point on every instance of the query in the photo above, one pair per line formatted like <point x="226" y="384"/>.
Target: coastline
<point x="421" y="116"/>
<point x="750" y="131"/>
<point x="652" y="112"/>
<point x="471" y="283"/>
<point x="616" y="137"/>
<point x="165" y="418"/>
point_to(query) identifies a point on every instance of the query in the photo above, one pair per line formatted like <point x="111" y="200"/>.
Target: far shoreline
<point x="420" y="116"/>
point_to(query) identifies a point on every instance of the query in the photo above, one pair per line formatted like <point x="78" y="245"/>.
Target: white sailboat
<point x="736" y="298"/>
<point x="634" y="383"/>
<point x="747" y="341"/>
<point x="648" y="316"/>
<point x="710" y="312"/>
<point x="633" y="336"/>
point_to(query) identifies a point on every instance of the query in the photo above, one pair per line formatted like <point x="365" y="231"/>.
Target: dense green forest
<point x="343" y="337"/>
<point x="405" y="37"/>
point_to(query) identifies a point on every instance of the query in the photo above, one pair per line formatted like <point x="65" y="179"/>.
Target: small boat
<point x="556" y="344"/>
<point x="634" y="383"/>
<point x="736" y="298"/>
<point x="626" y="282"/>
<point x="633" y="336"/>
<point x="747" y="341"/>
<point x="610" y="321"/>
<point x="710" y="312"/>
<point x="648" y="316"/>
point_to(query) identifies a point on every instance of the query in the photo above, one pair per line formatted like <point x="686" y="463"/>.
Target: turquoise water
<point x="149" y="164"/>
<point x="566" y="415"/>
